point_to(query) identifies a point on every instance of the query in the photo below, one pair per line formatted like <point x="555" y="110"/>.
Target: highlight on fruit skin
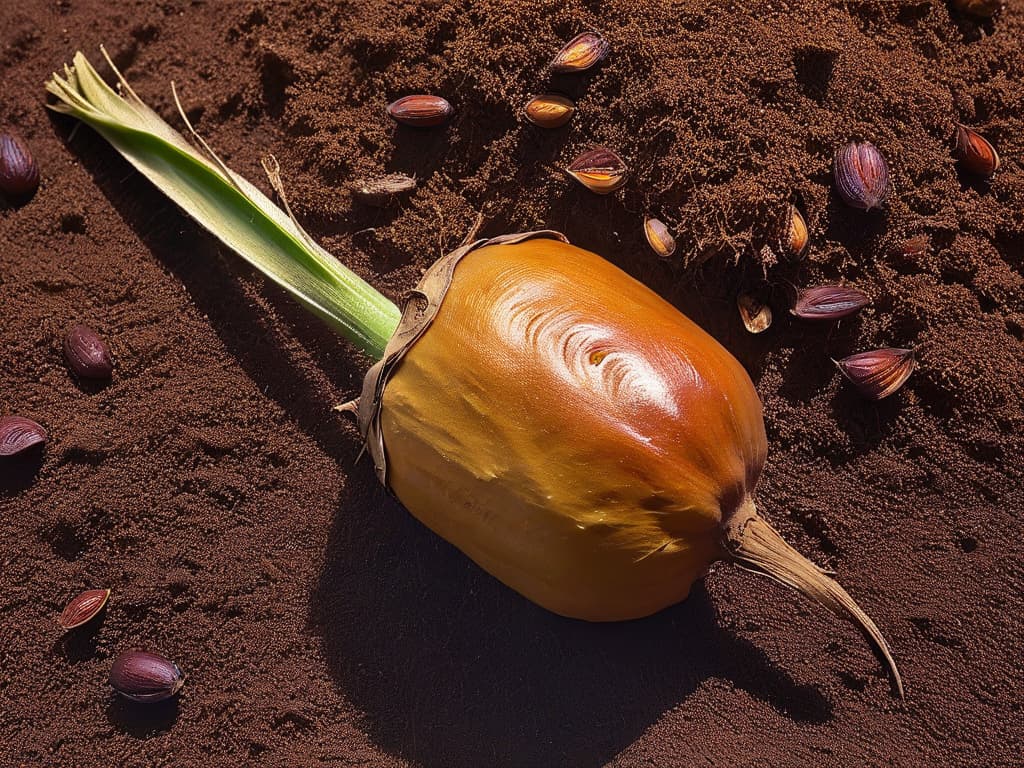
<point x="660" y="443"/>
<point x="564" y="426"/>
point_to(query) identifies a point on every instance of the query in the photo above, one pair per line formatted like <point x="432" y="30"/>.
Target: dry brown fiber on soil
<point x="347" y="633"/>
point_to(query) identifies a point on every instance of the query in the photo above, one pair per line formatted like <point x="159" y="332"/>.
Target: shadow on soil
<point x="452" y="668"/>
<point x="449" y="666"/>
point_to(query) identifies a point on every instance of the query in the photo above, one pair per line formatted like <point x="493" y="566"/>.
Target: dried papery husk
<point x="829" y="302"/>
<point x="755" y="314"/>
<point x="579" y="54"/>
<point x="621" y="521"/>
<point x="600" y="170"/>
<point x="975" y="152"/>
<point x="381" y="191"/>
<point x="878" y="373"/>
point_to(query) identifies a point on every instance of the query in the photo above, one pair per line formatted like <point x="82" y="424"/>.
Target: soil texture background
<point x="213" y="489"/>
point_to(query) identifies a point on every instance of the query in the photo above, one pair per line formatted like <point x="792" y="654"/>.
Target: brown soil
<point x="213" y="489"/>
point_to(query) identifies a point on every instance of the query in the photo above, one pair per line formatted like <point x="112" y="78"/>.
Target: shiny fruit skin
<point x="572" y="432"/>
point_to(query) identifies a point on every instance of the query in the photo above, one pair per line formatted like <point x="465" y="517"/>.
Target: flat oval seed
<point x="84" y="608"/>
<point x="420" y="110"/>
<point x="549" y="110"/>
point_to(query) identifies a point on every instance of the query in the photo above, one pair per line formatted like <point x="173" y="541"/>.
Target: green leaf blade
<point x="229" y="207"/>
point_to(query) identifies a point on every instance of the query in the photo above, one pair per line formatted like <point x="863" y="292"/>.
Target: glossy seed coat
<point x="579" y="54"/>
<point x="84" y="608"/>
<point x="19" y="174"/>
<point x="879" y="372"/>
<point x="18" y="435"/>
<point x="420" y="110"/>
<point x="975" y="153"/>
<point x="86" y="354"/>
<point x="145" y="677"/>
<point x="600" y="170"/>
<point x="828" y="302"/>
<point x="861" y="175"/>
<point x="549" y="110"/>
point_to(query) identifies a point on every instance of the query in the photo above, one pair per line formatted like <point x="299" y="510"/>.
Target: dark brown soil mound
<point x="213" y="489"/>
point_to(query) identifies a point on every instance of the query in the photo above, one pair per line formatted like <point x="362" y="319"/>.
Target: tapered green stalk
<point x="228" y="206"/>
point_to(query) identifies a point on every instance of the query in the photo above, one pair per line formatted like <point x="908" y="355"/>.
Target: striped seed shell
<point x="420" y="110"/>
<point x="600" y="170"/>
<point x="861" y="175"/>
<point x="18" y="434"/>
<point x="84" y="608"/>
<point x="581" y="53"/>
<point x="829" y="302"/>
<point x="880" y="372"/>
<point x="975" y="153"/>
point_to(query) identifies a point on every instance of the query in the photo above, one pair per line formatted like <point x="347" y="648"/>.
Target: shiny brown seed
<point x="796" y="235"/>
<point x="880" y="372"/>
<point x="755" y="314"/>
<point x="600" y="170"/>
<point x="581" y="53"/>
<point x="84" y="608"/>
<point x="87" y="354"/>
<point x="982" y="8"/>
<point x="828" y="302"/>
<point x="549" y="110"/>
<point x="975" y="153"/>
<point x="383" y="190"/>
<point x="18" y="434"/>
<point x="420" y="110"/>
<point x="19" y="174"/>
<point x="145" y="677"/>
<point x="659" y="238"/>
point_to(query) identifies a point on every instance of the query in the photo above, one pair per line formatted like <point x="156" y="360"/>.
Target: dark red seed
<point x="19" y="174"/>
<point x="87" y="354"/>
<point x="145" y="677"/>
<point x="880" y="372"/>
<point x="18" y="434"/>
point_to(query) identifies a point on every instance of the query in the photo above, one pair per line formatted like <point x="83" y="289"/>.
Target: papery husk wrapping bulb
<point x="576" y="435"/>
